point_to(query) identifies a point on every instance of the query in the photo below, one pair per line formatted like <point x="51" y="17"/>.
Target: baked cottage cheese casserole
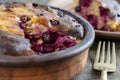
<point x="102" y="14"/>
<point x="29" y="29"/>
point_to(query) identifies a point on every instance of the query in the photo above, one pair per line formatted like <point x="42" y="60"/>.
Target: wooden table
<point x="89" y="74"/>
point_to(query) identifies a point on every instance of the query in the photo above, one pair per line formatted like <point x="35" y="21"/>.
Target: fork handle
<point x="103" y="75"/>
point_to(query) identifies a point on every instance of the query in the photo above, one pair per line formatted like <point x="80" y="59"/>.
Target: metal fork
<point x="105" y="62"/>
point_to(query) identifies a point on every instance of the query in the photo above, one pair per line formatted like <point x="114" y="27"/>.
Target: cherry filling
<point x="106" y="28"/>
<point x="93" y="20"/>
<point x="48" y="41"/>
<point x="49" y="37"/>
<point x="47" y="48"/>
<point x="104" y="11"/>
<point x="104" y="14"/>
<point x="85" y="3"/>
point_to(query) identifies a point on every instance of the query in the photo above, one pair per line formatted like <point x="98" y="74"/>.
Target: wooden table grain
<point x="89" y="74"/>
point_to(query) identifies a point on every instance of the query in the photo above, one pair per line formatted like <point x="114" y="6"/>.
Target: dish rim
<point x="33" y="60"/>
<point x="107" y="34"/>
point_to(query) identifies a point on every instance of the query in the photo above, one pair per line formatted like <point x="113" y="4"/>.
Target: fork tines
<point x="109" y="57"/>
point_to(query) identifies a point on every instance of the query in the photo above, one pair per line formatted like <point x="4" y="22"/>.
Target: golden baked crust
<point x="45" y="30"/>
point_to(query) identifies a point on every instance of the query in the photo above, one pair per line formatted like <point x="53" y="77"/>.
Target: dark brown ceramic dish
<point x="61" y="65"/>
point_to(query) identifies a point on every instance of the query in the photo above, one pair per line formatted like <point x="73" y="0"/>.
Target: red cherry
<point x="49" y="37"/>
<point x="60" y="46"/>
<point x="69" y="43"/>
<point x="64" y="42"/>
<point x="104" y="11"/>
<point x="93" y="20"/>
<point x="37" y="47"/>
<point x="22" y="25"/>
<point x="85" y="3"/>
<point x="106" y="28"/>
<point x="47" y="48"/>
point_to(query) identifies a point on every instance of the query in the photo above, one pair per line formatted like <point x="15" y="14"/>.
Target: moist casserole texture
<point x="29" y="29"/>
<point x="101" y="15"/>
